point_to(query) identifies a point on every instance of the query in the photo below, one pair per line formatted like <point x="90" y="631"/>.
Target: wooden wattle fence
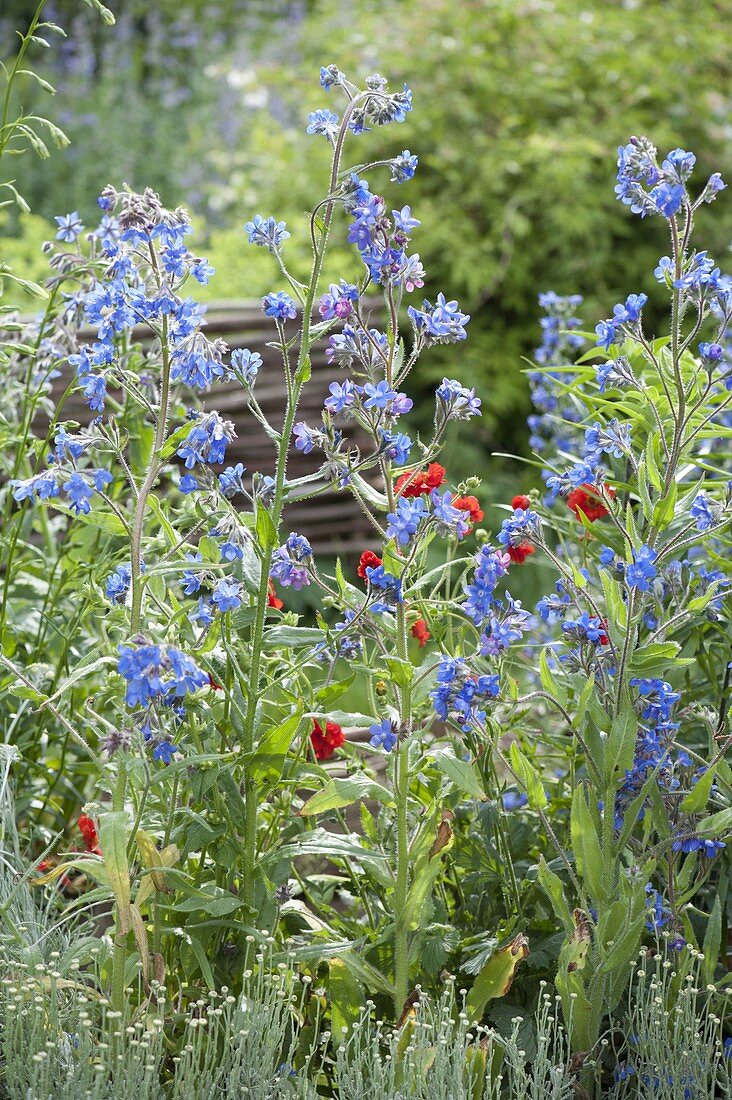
<point x="332" y="521"/>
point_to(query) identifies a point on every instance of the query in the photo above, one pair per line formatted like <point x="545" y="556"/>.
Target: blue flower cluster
<point x="551" y="424"/>
<point x="459" y="693"/>
<point x="292" y="562"/>
<point x="490" y="566"/>
<point x="374" y="105"/>
<point x="63" y="475"/>
<point x="157" y="673"/>
<point x="147" y="263"/>
<point x="207" y="440"/>
<point x="649" y="188"/>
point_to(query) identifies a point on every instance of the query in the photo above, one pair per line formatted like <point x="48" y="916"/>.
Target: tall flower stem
<point x="120" y="938"/>
<point x="300" y="377"/>
<point x="401" y="792"/>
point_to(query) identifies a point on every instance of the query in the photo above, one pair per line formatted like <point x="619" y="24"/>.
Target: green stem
<point x="303" y="364"/>
<point x="401" y="792"/>
<point x="151" y="477"/>
<point x="120" y="937"/>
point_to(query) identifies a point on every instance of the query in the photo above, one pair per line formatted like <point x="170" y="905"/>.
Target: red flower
<point x="326" y="743"/>
<point x="212" y="683"/>
<point x="469" y="504"/>
<point x="368" y="560"/>
<point x="420" y="632"/>
<point x="88" y="830"/>
<point x="421" y="482"/>
<point x="603" y="639"/>
<point x="272" y="598"/>
<point x="586" y="499"/>
<point x="519" y="554"/>
<point x="521" y="502"/>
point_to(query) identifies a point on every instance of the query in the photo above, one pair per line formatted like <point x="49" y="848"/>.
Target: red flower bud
<point x="420" y="632"/>
<point x="521" y="502"/>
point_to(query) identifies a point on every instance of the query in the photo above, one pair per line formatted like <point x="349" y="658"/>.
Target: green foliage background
<point x="519" y="107"/>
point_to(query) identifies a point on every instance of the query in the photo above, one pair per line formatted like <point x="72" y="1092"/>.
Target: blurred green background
<point x="519" y="106"/>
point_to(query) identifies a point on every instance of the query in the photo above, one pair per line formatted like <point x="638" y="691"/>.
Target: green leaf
<point x="586" y="845"/>
<point x="496" y="977"/>
<point x="712" y="945"/>
<point x="346" y="998"/>
<point x="698" y="796"/>
<point x="292" y="637"/>
<point x="269" y="757"/>
<point x="529" y="778"/>
<point x="265" y="529"/>
<point x="461" y="772"/>
<point x="553" y="887"/>
<point x="716" y="825"/>
<point x="328" y="694"/>
<point x="401" y="672"/>
<point x="338" y="793"/>
<point x="114" y="828"/>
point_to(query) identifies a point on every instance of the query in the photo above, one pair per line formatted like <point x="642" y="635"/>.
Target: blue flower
<point x="164" y="751"/>
<point x="290" y="563"/>
<point x="711" y="352"/>
<point x="79" y="493"/>
<point x="458" y="691"/>
<point x="705" y="847"/>
<point x="118" y="584"/>
<point x="607" y="334"/>
<point x="203" y="613"/>
<point x="323" y="122"/>
<point x="69" y="227"/>
<point x="246" y="363"/>
<point x="384" y="588"/>
<point x="230" y="480"/>
<point x="190" y="581"/>
<point x="305" y="438"/>
<point x="141" y="666"/>
<point x="514" y="800"/>
<point x="667" y="198"/>
<point x="490" y="566"/>
<point x="457" y="401"/>
<point x="397" y="446"/>
<point x="279" y="305"/>
<point x="227" y="595"/>
<point x="188" y="484"/>
<point x="642" y="571"/>
<point x="266" y="232"/>
<point x="330" y="75"/>
<point x="403" y="167"/>
<point x="206" y="442"/>
<point x="442" y="323"/>
<point x="379" y="395"/>
<point x="341" y="396"/>
<point x="403" y="524"/>
<point x="703" y="512"/>
<point x="448" y="519"/>
<point x="678" y="166"/>
<point x="383" y="735"/>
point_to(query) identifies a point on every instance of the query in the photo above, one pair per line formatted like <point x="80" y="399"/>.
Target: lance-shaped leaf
<point x="114" y="828"/>
<point x="138" y="927"/>
<point x="496" y="977"/>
